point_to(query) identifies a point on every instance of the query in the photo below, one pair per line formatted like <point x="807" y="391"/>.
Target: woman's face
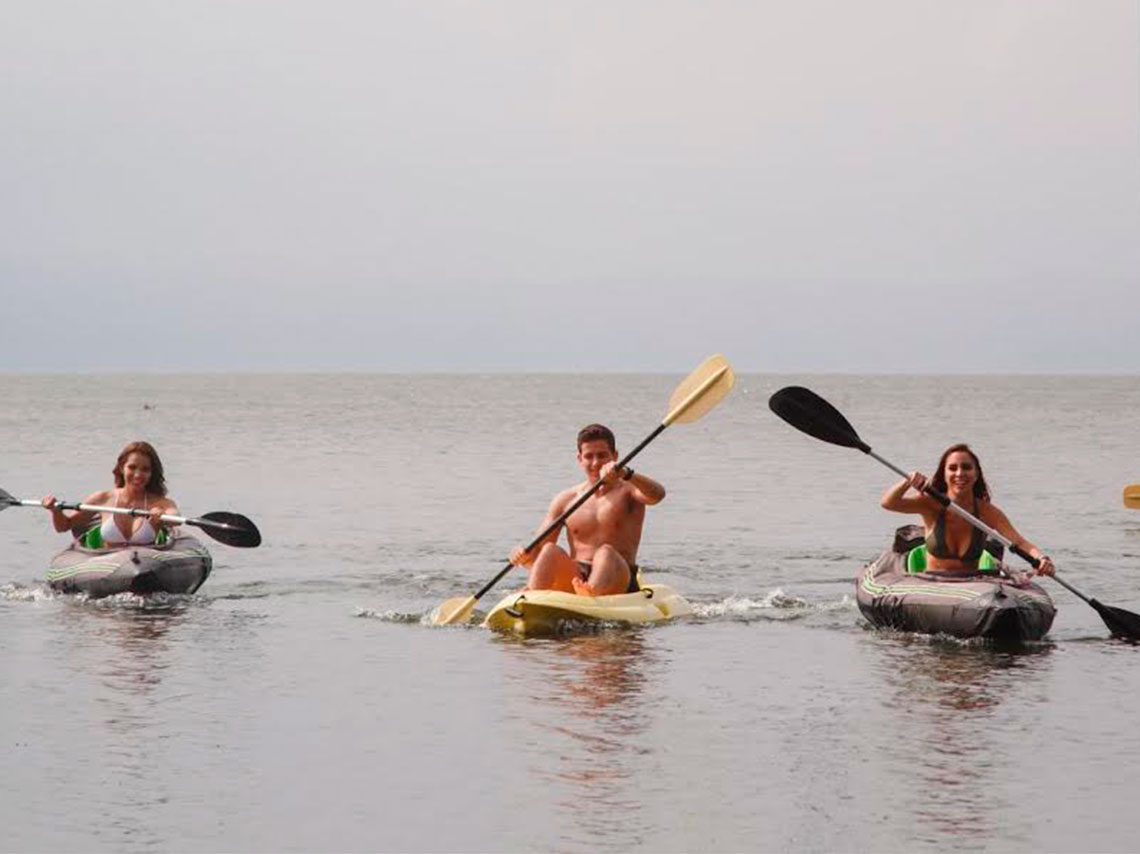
<point x="136" y="471"/>
<point x="961" y="472"/>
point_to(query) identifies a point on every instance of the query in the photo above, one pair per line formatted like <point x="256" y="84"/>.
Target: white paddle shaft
<point x="94" y="508"/>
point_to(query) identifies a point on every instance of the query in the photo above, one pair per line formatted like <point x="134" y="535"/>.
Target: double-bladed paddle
<point x="808" y="412"/>
<point x="233" y="529"/>
<point x="703" y="389"/>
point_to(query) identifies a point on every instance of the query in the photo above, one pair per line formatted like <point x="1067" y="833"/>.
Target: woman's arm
<point x="167" y="507"/>
<point x="895" y="499"/>
<point x="80" y="519"/>
<point x="59" y="520"/>
<point x="1000" y="523"/>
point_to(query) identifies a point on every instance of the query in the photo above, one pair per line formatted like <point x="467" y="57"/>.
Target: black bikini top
<point x="936" y="542"/>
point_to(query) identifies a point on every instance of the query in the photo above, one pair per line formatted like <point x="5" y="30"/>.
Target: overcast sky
<point x="880" y="186"/>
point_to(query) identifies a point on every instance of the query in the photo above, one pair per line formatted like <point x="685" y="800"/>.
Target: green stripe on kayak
<point x="876" y="589"/>
<point x="68" y="572"/>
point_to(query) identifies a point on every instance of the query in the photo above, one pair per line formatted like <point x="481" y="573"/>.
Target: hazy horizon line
<point x="548" y="372"/>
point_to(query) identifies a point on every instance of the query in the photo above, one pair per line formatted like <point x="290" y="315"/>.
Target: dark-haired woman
<point x="952" y="543"/>
<point x="139" y="484"/>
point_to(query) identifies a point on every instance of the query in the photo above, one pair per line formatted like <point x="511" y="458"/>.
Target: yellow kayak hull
<point x="537" y="613"/>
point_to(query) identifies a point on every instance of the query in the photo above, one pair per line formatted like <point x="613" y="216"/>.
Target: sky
<point x="888" y="186"/>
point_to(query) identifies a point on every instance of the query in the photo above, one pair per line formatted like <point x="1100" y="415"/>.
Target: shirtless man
<point x="603" y="533"/>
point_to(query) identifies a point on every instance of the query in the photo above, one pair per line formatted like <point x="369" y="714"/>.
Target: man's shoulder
<point x="570" y="494"/>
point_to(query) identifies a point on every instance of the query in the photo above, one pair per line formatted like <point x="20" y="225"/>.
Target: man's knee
<point x="610" y="572"/>
<point x="610" y="555"/>
<point x="548" y="551"/>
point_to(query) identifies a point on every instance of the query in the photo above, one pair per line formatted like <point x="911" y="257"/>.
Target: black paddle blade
<point x="6" y="500"/>
<point x="1122" y="624"/>
<point x="233" y="529"/>
<point x="808" y="412"/>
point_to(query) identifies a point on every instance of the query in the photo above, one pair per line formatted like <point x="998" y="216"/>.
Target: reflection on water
<point x="950" y="732"/>
<point x="587" y="696"/>
<point x="124" y="640"/>
<point x="274" y="720"/>
<point x="122" y="646"/>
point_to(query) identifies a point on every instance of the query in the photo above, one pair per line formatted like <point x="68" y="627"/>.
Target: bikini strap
<point x="936" y="542"/>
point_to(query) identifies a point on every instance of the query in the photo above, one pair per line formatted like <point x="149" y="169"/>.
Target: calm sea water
<point x="297" y="702"/>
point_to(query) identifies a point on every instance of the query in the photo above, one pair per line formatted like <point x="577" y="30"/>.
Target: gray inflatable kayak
<point x="970" y="605"/>
<point x="179" y="566"/>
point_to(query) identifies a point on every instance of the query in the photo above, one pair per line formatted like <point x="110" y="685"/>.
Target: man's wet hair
<point x="593" y="432"/>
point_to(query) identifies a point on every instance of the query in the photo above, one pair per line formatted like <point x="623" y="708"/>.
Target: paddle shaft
<point x="674" y="414"/>
<point x="946" y="501"/>
<point x="134" y="511"/>
<point x="1005" y="541"/>
<point x="808" y="412"/>
<point x="578" y="502"/>
<point x="691" y="400"/>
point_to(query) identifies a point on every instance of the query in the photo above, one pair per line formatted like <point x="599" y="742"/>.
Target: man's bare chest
<point x="606" y="511"/>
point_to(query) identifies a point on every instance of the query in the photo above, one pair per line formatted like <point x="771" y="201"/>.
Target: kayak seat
<point x="916" y="560"/>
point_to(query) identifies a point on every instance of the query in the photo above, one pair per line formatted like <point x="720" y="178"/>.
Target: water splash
<point x="391" y="616"/>
<point x="18" y="593"/>
<point x="776" y="605"/>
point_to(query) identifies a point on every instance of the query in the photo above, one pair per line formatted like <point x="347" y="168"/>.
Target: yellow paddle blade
<point x="1132" y="496"/>
<point x="703" y="389"/>
<point x="457" y="610"/>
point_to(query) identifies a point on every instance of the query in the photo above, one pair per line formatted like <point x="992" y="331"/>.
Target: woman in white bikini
<point x="139" y="484"/>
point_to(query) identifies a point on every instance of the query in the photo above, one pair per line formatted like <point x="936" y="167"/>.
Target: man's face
<point x="594" y="454"/>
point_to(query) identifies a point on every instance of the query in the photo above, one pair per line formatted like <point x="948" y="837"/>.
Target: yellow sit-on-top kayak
<point x="535" y="613"/>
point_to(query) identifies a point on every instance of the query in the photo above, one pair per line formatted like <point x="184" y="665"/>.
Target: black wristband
<point x="628" y="473"/>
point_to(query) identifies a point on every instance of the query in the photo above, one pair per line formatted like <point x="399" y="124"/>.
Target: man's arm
<point x="644" y="489"/>
<point x="557" y="507"/>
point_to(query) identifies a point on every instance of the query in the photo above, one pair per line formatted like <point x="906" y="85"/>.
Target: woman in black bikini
<point x="952" y="543"/>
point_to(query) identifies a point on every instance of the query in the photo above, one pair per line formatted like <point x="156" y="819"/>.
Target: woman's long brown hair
<point x="157" y="484"/>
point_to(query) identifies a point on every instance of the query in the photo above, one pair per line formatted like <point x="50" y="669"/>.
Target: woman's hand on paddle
<point x="59" y="519"/>
<point x="1045" y="566"/>
<point x="897" y="498"/>
<point x="520" y="557"/>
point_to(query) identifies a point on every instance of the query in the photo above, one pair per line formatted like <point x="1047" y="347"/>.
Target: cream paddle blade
<point x="1132" y="496"/>
<point x="455" y="610"/>
<point x="699" y="392"/>
<point x="703" y="389"/>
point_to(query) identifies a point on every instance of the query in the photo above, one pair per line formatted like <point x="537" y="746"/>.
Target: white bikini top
<point x="112" y="535"/>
